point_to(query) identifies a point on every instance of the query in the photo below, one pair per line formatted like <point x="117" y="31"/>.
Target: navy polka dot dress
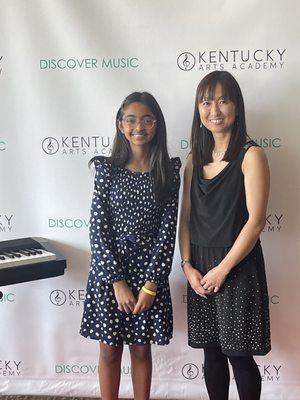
<point x="132" y="237"/>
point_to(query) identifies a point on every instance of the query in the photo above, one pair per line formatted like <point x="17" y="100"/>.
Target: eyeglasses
<point x="132" y="122"/>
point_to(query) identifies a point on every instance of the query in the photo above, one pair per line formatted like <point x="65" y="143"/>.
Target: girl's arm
<point x="104" y="260"/>
<point x="160" y="264"/>
<point x="257" y="184"/>
<point x="193" y="275"/>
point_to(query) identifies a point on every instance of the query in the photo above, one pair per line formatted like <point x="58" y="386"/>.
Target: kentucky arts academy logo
<point x="89" y="63"/>
<point x="76" y="145"/>
<point x="10" y="368"/>
<point x="234" y="59"/>
<point x="2" y="144"/>
<point x="71" y="297"/>
<point x="274" y="222"/>
<point x="270" y="372"/>
<point x="6" y="222"/>
<point x="190" y="371"/>
<point x="7" y="298"/>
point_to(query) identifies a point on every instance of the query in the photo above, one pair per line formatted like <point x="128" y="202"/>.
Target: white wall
<point x="46" y="185"/>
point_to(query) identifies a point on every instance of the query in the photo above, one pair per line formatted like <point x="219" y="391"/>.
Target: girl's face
<point x="217" y="114"/>
<point x="138" y="124"/>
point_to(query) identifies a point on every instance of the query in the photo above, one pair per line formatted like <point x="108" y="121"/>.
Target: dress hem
<point x="126" y="342"/>
<point x="227" y="352"/>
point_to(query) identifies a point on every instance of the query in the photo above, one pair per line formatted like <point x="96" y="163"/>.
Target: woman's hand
<point x="145" y="300"/>
<point x="214" y="279"/>
<point x="124" y="296"/>
<point x="194" y="277"/>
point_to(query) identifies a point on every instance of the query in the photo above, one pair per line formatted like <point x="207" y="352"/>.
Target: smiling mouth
<point x="216" y="120"/>
<point x="138" y="134"/>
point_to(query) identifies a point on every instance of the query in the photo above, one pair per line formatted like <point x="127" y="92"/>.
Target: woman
<point x="226" y="187"/>
<point x="132" y="234"/>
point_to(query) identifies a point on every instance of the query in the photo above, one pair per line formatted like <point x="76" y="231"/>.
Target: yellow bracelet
<point x="148" y="291"/>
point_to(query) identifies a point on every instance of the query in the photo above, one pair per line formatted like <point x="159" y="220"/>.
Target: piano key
<point x="24" y="252"/>
<point x="38" y="251"/>
<point x="26" y="260"/>
<point x="16" y="254"/>
<point x="31" y="265"/>
<point x="8" y="255"/>
<point x="31" y="251"/>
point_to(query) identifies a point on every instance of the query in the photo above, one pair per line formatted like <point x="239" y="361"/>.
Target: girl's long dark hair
<point x="159" y="163"/>
<point x="202" y="141"/>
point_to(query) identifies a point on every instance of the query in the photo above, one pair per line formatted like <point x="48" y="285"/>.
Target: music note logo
<point x="58" y="297"/>
<point x="50" y="145"/>
<point x="1" y="69"/>
<point x="2" y="145"/>
<point x="186" y="61"/>
<point x="190" y="371"/>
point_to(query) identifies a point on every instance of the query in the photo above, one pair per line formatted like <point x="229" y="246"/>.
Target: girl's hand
<point x="194" y="277"/>
<point x="124" y="296"/>
<point x="214" y="279"/>
<point x="145" y="300"/>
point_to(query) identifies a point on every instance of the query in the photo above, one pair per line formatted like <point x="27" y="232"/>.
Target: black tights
<point x="216" y="374"/>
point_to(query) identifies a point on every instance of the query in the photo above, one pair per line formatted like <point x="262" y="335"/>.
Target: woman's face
<point x="138" y="124"/>
<point x="217" y="114"/>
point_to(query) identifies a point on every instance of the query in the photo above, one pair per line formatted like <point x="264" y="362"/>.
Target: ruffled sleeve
<point x="104" y="260"/>
<point x="160" y="264"/>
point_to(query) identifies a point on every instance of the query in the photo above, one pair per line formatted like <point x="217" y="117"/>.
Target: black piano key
<point x="31" y="252"/>
<point x="38" y="251"/>
<point x="24" y="252"/>
<point x="18" y="255"/>
<point x="8" y="255"/>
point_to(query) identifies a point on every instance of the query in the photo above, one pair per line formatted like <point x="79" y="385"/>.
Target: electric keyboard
<point x="29" y="259"/>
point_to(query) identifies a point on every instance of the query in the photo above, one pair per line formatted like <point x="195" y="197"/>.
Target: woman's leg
<point x="216" y="373"/>
<point x="110" y="370"/>
<point x="141" y="370"/>
<point x="247" y="377"/>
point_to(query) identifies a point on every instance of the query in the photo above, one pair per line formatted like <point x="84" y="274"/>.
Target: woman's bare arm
<point x="257" y="184"/>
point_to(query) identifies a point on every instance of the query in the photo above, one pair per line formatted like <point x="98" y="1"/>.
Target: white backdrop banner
<point x="65" y="67"/>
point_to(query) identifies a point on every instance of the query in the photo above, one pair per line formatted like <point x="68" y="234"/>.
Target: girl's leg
<point x="247" y="377"/>
<point x="110" y="370"/>
<point x="141" y="370"/>
<point x="216" y="373"/>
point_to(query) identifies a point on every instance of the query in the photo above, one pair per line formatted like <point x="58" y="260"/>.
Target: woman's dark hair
<point x="159" y="163"/>
<point x="202" y="141"/>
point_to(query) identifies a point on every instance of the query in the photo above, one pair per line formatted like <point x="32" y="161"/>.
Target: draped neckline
<point x="217" y="175"/>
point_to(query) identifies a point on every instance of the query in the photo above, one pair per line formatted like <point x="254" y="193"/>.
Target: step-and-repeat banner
<point x="65" y="67"/>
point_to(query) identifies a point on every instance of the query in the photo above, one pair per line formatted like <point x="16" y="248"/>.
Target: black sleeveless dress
<point x="237" y="317"/>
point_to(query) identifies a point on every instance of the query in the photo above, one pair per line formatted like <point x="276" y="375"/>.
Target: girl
<point x="226" y="188"/>
<point x="132" y="234"/>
